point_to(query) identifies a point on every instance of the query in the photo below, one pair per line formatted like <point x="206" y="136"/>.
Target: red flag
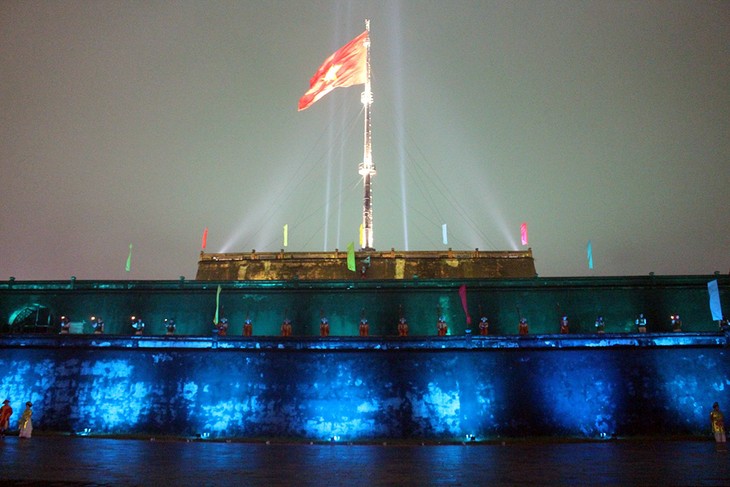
<point x="346" y="67"/>
<point x="205" y="238"/>
<point x="462" y="293"/>
<point x="523" y="233"/>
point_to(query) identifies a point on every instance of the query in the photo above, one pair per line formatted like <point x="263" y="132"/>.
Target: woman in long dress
<point x="25" y="425"/>
<point x="718" y="424"/>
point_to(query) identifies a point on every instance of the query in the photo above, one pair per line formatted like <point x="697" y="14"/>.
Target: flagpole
<point x="367" y="169"/>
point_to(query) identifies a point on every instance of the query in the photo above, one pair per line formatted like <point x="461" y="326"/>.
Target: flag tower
<point x="367" y="168"/>
<point x="349" y="66"/>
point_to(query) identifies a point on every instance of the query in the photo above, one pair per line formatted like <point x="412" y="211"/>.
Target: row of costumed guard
<point x="221" y="327"/>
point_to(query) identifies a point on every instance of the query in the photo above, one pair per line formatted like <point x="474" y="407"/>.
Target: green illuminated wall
<point x="540" y="300"/>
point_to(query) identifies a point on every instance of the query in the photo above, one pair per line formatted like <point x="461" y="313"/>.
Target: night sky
<point x="146" y="122"/>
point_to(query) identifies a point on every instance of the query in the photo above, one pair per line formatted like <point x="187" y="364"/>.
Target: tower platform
<point x="392" y="264"/>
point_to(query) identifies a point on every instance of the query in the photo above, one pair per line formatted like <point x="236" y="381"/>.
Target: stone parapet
<point x="392" y="264"/>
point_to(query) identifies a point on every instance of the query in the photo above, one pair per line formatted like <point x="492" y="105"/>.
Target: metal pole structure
<point x="367" y="169"/>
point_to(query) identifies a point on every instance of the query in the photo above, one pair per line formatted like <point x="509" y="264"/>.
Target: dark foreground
<point x="44" y="460"/>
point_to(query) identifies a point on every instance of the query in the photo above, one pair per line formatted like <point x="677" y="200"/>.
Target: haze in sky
<point x="146" y="122"/>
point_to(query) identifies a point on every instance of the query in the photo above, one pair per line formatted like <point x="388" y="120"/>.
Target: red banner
<point x="345" y="67"/>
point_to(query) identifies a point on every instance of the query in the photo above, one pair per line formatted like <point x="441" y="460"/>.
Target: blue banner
<point x="715" y="306"/>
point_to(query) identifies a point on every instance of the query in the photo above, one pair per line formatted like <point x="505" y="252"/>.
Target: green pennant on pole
<point x="217" y="304"/>
<point x="128" y="267"/>
<point x="351" y="256"/>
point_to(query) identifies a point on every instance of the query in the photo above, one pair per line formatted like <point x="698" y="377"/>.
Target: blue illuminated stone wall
<point x="444" y="389"/>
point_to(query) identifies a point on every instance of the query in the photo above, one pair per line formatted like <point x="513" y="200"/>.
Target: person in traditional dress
<point x="364" y="327"/>
<point x="65" y="326"/>
<point x="640" y="323"/>
<point x="484" y="326"/>
<point x="221" y="328"/>
<point x="402" y="327"/>
<point x="600" y="325"/>
<point x="247" y="327"/>
<point x="324" y="327"/>
<point x="676" y="323"/>
<point x="5" y="412"/>
<point x="441" y="326"/>
<point x="286" y="328"/>
<point x="523" y="328"/>
<point x="97" y="323"/>
<point x="137" y="325"/>
<point x="25" y="425"/>
<point x="170" y="326"/>
<point x="718" y="424"/>
<point x="564" y="328"/>
<point x="724" y="324"/>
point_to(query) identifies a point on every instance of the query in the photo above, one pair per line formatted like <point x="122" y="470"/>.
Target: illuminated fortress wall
<point x="421" y="386"/>
<point x="541" y="300"/>
<point x="317" y="389"/>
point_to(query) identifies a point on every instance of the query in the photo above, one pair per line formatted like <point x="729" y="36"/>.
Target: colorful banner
<point x="589" y="252"/>
<point x="204" y="243"/>
<point x="286" y="235"/>
<point x="217" y="304"/>
<point x="715" y="305"/>
<point x="128" y="267"/>
<point x="444" y="235"/>
<point x="351" y="256"/>
<point x="523" y="233"/>
<point x="345" y="67"/>
<point x="462" y="294"/>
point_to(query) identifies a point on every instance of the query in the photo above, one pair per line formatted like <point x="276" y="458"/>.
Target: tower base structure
<point x="392" y="264"/>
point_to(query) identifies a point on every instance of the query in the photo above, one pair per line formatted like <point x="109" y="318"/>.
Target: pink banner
<point x="523" y="233"/>
<point x="462" y="294"/>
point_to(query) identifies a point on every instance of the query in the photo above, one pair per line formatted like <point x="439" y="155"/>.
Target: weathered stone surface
<point x="598" y="387"/>
<point x="449" y="264"/>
